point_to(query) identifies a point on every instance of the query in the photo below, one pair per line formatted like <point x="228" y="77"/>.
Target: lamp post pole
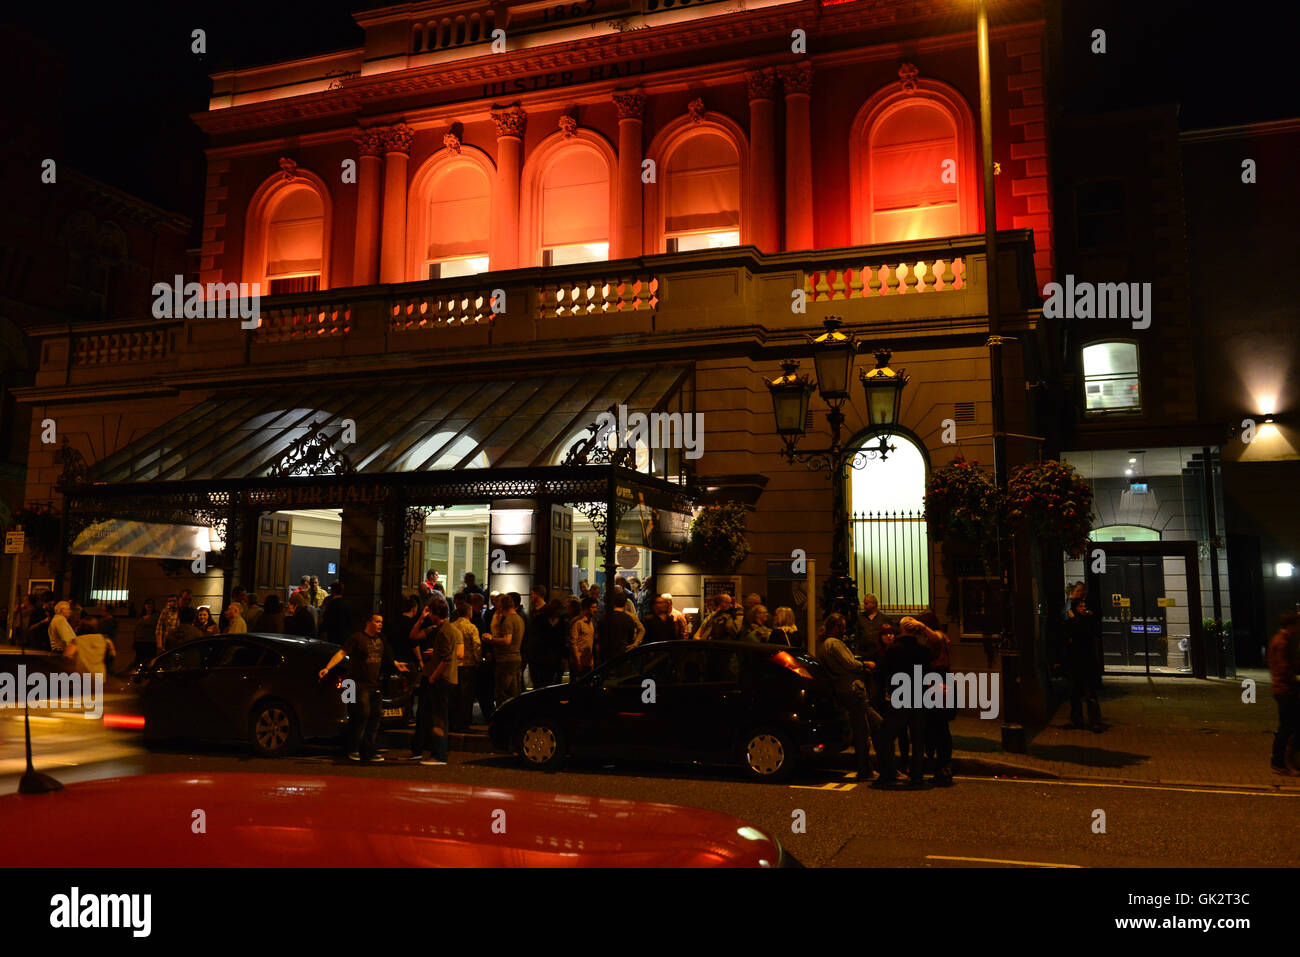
<point x="1013" y="731"/>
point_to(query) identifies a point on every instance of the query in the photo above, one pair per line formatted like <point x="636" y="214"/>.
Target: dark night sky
<point x="131" y="82"/>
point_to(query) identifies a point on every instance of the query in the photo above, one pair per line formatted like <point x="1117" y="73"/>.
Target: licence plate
<point x="392" y="712"/>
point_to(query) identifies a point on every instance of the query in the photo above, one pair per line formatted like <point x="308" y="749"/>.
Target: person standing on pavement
<point x="462" y="714"/>
<point x="550" y="636"/>
<point x="849" y="678"/>
<point x="369" y="659"/>
<point x="439" y="646"/>
<point x="1083" y="657"/>
<point x="659" y="624"/>
<point x="938" y="735"/>
<point x="143" y="644"/>
<point x="299" y="621"/>
<point x="1282" y="659"/>
<point x="898" y="670"/>
<point x="619" y="634"/>
<point x="61" y="633"/>
<point x="866" y="629"/>
<point x="336" y="616"/>
<point x="582" y="642"/>
<point x="756" y="625"/>
<point x="724" y="623"/>
<point x="485" y="680"/>
<point x="507" y="630"/>
<point x="168" y="618"/>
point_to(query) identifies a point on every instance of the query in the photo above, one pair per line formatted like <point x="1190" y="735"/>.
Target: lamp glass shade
<point x="883" y="390"/>
<point x="833" y="360"/>
<point x="791" y="409"/>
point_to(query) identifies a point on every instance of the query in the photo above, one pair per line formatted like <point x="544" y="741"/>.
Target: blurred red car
<point x="274" y="820"/>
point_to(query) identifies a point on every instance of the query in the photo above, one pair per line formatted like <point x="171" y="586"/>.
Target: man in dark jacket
<point x="299" y="621"/>
<point x="1083" y="658"/>
<point x="619" y="633"/>
<point x="336" y="617"/>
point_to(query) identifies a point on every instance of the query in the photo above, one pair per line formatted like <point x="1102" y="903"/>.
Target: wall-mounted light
<point x="1284" y="569"/>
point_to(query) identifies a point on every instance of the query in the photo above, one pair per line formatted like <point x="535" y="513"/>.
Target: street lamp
<point x="882" y="387"/>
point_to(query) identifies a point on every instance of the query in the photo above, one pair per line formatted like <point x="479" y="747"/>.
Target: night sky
<point x="130" y="81"/>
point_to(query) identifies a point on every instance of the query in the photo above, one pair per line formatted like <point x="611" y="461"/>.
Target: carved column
<point x="506" y="241"/>
<point x="765" y="225"/>
<point x="798" y="157"/>
<point x="628" y="200"/>
<point x="396" y="144"/>
<point x="365" y="261"/>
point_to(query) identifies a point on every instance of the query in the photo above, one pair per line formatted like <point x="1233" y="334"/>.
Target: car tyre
<point x="768" y="754"/>
<point x="273" y="728"/>
<point x="540" y="744"/>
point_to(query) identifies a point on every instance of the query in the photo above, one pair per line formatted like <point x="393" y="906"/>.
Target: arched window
<point x="1125" y="533"/>
<point x="295" y="241"/>
<point x="442" y="451"/>
<point x="914" y="166"/>
<point x="891" y="544"/>
<point x="702" y="194"/>
<point x="1111" y="377"/>
<point x="574" y="207"/>
<point x="458" y="221"/>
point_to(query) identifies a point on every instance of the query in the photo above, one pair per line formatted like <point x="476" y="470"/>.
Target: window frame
<point x="1135" y="410"/>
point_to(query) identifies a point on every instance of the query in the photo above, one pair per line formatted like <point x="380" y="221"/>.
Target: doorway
<point x="1150" y="617"/>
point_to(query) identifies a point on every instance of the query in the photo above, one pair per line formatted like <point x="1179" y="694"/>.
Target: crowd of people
<point x="862" y="663"/>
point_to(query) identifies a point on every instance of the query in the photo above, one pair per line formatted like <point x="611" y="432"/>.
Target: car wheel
<point x="768" y="754"/>
<point x="273" y="729"/>
<point x="540" y="744"/>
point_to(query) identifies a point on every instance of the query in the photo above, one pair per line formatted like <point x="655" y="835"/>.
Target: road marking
<point x="828" y="786"/>
<point x="994" y="860"/>
<point x="1134" y="787"/>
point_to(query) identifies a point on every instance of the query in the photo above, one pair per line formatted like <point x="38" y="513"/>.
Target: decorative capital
<point x="397" y="139"/>
<point x="695" y="109"/>
<point x="907" y="74"/>
<point x="568" y="126"/>
<point x="288" y="169"/>
<point x="369" y="141"/>
<point x="630" y="104"/>
<point x="762" y="83"/>
<point x="510" y="121"/>
<point x="797" y="78"/>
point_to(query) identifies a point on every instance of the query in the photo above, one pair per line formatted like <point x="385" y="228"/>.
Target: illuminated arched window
<point x="574" y="207"/>
<point x="1111" y="377"/>
<point x="458" y="222"/>
<point x="702" y="194"/>
<point x="295" y="240"/>
<point x="911" y="197"/>
<point x="891" y="544"/>
<point x="444" y="450"/>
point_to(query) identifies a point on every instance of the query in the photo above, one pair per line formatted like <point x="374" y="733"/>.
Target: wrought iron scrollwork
<point x="313" y="454"/>
<point x="75" y="471"/>
<point x="595" y="450"/>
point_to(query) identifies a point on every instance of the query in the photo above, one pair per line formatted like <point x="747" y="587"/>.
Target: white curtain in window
<point x="702" y="186"/>
<point x="909" y="198"/>
<point x="459" y="213"/>
<point x="575" y="199"/>
<point x="296" y="235"/>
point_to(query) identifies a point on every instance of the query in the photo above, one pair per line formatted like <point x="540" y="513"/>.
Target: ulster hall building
<point x="492" y="222"/>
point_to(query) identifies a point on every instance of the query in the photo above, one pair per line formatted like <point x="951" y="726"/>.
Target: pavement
<point x="1157" y="730"/>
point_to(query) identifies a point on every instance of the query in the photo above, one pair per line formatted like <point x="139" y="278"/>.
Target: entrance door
<point x="274" y="533"/>
<point x="1147" y="609"/>
<point x="561" y="549"/>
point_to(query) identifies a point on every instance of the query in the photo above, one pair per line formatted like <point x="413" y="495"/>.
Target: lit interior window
<point x="294" y="242"/>
<point x="575" y="253"/>
<point x="451" y="268"/>
<point x="1110" y="377"/>
<point x="689" y="242"/>
<point x="909" y="197"/>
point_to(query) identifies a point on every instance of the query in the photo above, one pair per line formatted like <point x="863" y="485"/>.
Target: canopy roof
<point x="442" y="423"/>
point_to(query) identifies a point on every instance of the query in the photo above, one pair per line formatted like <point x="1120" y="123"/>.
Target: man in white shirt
<point x="60" y="631"/>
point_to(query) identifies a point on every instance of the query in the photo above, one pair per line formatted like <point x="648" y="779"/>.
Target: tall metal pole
<point x="1013" y="733"/>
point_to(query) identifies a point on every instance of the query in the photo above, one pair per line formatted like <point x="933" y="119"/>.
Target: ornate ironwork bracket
<point x="75" y="471"/>
<point x="595" y="450"/>
<point x="313" y="454"/>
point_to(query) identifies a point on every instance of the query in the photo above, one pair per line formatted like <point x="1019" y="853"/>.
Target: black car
<point x="261" y="688"/>
<point x="764" y="707"/>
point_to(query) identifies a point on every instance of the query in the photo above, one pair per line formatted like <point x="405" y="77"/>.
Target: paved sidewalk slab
<point x="1167" y="730"/>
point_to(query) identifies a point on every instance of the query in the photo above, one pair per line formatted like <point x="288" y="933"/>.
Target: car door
<point x="171" y="695"/>
<point x="238" y="672"/>
<point x="625" y="717"/>
<point x="705" y="700"/>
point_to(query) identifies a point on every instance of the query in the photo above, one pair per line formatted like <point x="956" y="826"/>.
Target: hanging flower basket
<point x="962" y="504"/>
<point x="1051" y="501"/>
<point x="718" y="537"/>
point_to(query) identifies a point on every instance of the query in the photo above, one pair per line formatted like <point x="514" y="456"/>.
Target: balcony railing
<point x="906" y="289"/>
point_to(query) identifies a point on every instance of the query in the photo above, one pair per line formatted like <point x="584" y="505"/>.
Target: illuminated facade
<point x="468" y="252"/>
